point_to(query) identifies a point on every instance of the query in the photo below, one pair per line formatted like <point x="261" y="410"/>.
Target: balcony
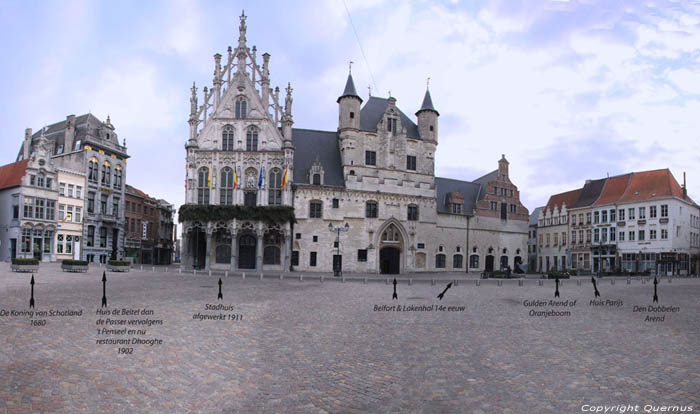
<point x="663" y="220"/>
<point x="620" y="224"/>
<point x="641" y="222"/>
<point x="106" y="218"/>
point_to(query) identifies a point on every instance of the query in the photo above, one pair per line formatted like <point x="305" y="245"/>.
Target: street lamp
<point x="338" y="268"/>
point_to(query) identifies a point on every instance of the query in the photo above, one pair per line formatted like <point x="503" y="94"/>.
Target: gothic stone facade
<point x="375" y="173"/>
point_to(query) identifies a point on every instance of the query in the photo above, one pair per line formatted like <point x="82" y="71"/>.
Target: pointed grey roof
<point x="350" y="89"/>
<point x="427" y="104"/>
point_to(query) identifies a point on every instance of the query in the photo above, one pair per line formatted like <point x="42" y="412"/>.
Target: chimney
<point x="27" y="146"/>
<point x="685" y="189"/>
<point x="69" y="133"/>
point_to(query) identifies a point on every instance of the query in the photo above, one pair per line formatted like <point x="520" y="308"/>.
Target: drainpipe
<point x="466" y="254"/>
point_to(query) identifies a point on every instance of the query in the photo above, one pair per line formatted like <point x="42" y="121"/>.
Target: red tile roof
<point x="656" y="183"/>
<point x="11" y="174"/>
<point x="569" y="198"/>
<point x="614" y="189"/>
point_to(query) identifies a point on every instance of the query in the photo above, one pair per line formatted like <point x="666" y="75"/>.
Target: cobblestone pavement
<point x="311" y="347"/>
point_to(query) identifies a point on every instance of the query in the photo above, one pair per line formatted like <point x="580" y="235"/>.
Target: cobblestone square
<point x="294" y="346"/>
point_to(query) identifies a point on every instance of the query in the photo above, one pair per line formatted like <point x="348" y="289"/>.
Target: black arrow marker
<point x="395" y="296"/>
<point x="449" y="285"/>
<point x="556" y="292"/>
<point x="220" y="295"/>
<point x="656" y="297"/>
<point x="104" y="289"/>
<point x="595" y="288"/>
<point x="31" y="300"/>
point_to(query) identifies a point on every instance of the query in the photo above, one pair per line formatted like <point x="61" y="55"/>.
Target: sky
<point x="567" y="90"/>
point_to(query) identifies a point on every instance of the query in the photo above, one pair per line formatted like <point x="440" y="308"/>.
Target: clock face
<point x="42" y="162"/>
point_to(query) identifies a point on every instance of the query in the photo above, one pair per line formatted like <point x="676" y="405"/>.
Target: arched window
<point x="251" y="140"/>
<point x="457" y="261"/>
<point x="317" y="179"/>
<point x="474" y="261"/>
<point x="227" y="138"/>
<point x="92" y="170"/>
<point x="241" y="107"/>
<point x="117" y="176"/>
<point x="106" y="173"/>
<point x="275" y="190"/>
<point x="203" y="186"/>
<point x="226" y="191"/>
<point x="440" y="261"/>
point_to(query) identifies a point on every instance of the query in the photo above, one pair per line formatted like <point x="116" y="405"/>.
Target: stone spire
<point x="287" y="120"/>
<point x="242" y="49"/>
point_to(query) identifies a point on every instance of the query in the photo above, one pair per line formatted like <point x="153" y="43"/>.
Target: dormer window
<point x="241" y="107"/>
<point x="316" y="173"/>
<point x="455" y="202"/>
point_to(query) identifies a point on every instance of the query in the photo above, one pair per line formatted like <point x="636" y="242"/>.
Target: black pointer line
<point x="220" y="295"/>
<point x="395" y="296"/>
<point x="556" y="292"/>
<point x="656" y="297"/>
<point x="440" y="296"/>
<point x="104" y="289"/>
<point x="31" y="299"/>
<point x="595" y="287"/>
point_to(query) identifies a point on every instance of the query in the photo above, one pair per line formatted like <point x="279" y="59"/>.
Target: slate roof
<point x="373" y="111"/>
<point x="484" y="182"/>
<point x="427" y="104"/>
<point x="534" y="216"/>
<point x="589" y="193"/>
<point x="469" y="190"/>
<point x="655" y="183"/>
<point x="11" y="174"/>
<point x="613" y="189"/>
<point x="349" y="89"/>
<point x="56" y="132"/>
<point x="569" y="198"/>
<point x="311" y="144"/>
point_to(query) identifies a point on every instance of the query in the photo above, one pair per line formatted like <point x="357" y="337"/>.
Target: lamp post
<point x="338" y="270"/>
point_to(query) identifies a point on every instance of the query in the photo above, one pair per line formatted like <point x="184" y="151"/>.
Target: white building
<point x="375" y="173"/>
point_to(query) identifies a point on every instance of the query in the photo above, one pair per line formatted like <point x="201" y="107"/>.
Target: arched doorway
<point x="504" y="261"/>
<point x="489" y="263"/>
<point x="199" y="248"/>
<point x="389" y="260"/>
<point x="223" y="246"/>
<point x="247" y="244"/>
<point x="390" y="249"/>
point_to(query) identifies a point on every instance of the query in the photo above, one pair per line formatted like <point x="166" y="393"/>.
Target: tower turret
<point x="349" y="106"/>
<point x="428" y="119"/>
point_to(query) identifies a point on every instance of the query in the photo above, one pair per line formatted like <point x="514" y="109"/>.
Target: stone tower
<point x="428" y="119"/>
